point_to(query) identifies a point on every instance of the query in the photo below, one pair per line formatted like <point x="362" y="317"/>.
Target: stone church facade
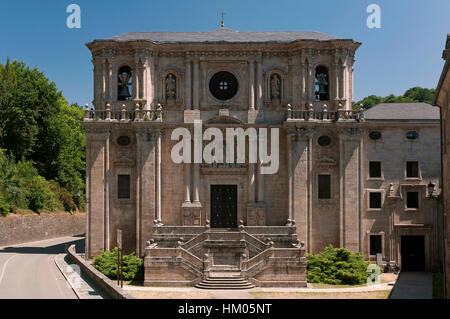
<point x="356" y="180"/>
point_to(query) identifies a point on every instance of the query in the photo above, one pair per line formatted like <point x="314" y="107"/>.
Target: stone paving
<point x="413" y="285"/>
<point x="245" y="293"/>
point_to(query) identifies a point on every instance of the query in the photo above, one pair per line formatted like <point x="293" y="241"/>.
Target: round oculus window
<point x="123" y="140"/>
<point x="324" y="140"/>
<point x="223" y="85"/>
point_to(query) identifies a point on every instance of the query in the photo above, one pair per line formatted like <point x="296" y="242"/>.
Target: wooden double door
<point x="224" y="206"/>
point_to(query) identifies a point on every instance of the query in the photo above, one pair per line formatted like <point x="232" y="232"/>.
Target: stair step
<point x="226" y="279"/>
<point x="227" y="287"/>
<point x="221" y="280"/>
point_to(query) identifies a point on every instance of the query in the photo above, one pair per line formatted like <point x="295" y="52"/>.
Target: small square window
<point x="412" y="169"/>
<point x="375" y="245"/>
<point x="375" y="169"/>
<point x="375" y="200"/>
<point x="412" y="200"/>
<point x="324" y="186"/>
<point x="123" y="187"/>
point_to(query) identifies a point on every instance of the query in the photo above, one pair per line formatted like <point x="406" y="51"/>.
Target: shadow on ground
<point x="49" y="250"/>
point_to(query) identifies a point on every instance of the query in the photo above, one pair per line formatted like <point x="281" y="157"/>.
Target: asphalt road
<point x="28" y="271"/>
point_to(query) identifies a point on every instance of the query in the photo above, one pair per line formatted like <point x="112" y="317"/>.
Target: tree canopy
<point x="415" y="94"/>
<point x="37" y="125"/>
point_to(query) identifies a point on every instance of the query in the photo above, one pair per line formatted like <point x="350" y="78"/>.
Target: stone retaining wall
<point x="100" y="281"/>
<point x="17" y="229"/>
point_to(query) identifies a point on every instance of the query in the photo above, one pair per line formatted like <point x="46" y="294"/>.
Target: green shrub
<point x="63" y="197"/>
<point x="133" y="267"/>
<point x="5" y="207"/>
<point x="337" y="266"/>
<point x="40" y="196"/>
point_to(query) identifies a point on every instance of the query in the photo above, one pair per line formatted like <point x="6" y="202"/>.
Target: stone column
<point x="196" y="183"/>
<point x="196" y="92"/>
<point x="301" y="172"/>
<point x="260" y="184"/>
<point x="311" y="82"/>
<point x="187" y="170"/>
<point x="350" y="189"/>
<point x="336" y="80"/>
<point x="146" y="186"/>
<point x="251" y="183"/>
<point x="293" y="69"/>
<point x="97" y="191"/>
<point x="136" y="79"/>
<point x="290" y="173"/>
<point x="341" y="82"/>
<point x="188" y="90"/>
<point x="303" y="82"/>
<point x="159" y="180"/>
<point x="259" y="84"/>
<point x="251" y="84"/>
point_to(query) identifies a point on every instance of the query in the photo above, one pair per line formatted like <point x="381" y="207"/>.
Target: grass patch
<point x="380" y="294"/>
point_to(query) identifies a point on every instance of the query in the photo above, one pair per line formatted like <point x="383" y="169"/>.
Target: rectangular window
<point x="123" y="186"/>
<point x="324" y="186"/>
<point x="412" y="169"/>
<point x="375" y="245"/>
<point x="375" y="200"/>
<point x="412" y="200"/>
<point x="375" y="169"/>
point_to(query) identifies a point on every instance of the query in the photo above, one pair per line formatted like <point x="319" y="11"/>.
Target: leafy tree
<point x="37" y="124"/>
<point x="415" y="94"/>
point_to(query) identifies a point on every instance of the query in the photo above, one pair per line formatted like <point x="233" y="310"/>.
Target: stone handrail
<point x="123" y="115"/>
<point x="252" y="240"/>
<point x="312" y="115"/>
<point x="194" y="260"/>
<point x="247" y="265"/>
<point x="175" y="253"/>
<point x="194" y="241"/>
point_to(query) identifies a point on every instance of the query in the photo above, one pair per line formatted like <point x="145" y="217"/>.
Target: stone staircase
<point x="225" y="280"/>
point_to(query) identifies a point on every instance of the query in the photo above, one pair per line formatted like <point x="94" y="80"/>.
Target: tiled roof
<point x="402" y="111"/>
<point x="223" y="35"/>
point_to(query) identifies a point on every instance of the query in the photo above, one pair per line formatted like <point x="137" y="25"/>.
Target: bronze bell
<point x="124" y="93"/>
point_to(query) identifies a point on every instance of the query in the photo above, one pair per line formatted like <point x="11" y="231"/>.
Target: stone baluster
<point x="108" y="112"/>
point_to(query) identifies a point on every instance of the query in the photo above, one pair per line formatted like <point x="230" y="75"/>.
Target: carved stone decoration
<point x="256" y="216"/>
<point x="275" y="88"/>
<point x="191" y="216"/>
<point x="171" y="88"/>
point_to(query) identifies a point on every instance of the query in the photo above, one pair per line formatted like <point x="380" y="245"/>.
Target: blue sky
<point x="405" y="52"/>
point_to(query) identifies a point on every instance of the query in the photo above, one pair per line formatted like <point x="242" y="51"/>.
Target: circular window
<point x="413" y="135"/>
<point x="123" y="140"/>
<point x="223" y="85"/>
<point x="375" y="135"/>
<point x="324" y="141"/>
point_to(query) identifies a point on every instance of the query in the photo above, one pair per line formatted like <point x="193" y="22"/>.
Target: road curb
<point x="67" y="279"/>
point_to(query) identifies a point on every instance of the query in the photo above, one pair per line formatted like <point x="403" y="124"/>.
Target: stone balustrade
<point x="324" y="115"/>
<point x="123" y="115"/>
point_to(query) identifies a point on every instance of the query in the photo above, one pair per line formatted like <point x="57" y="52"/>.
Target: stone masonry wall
<point x="17" y="229"/>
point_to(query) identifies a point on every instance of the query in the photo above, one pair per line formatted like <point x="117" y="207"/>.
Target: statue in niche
<point x="171" y="88"/>
<point x="275" y="88"/>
